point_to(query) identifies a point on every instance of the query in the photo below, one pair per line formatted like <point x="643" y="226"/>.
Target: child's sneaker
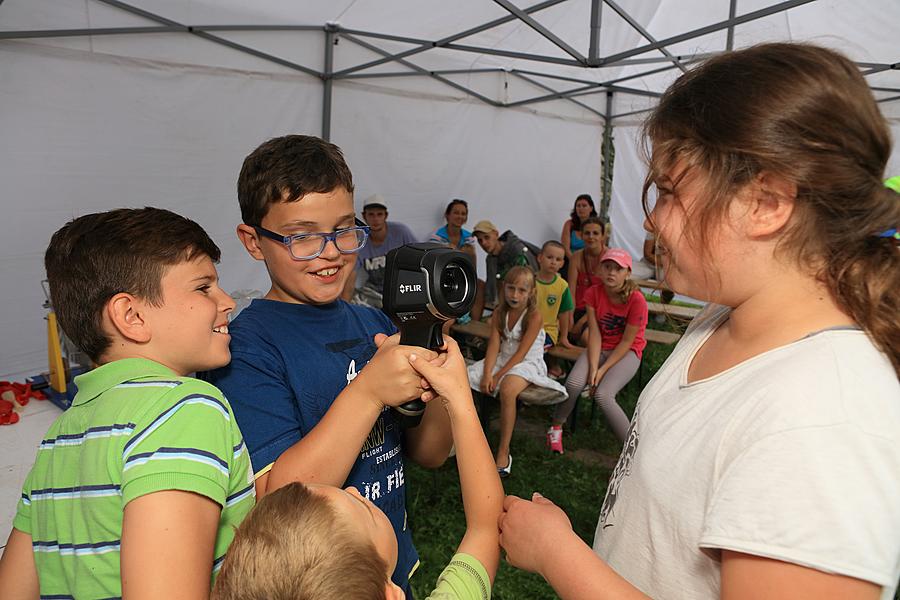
<point x="554" y="439"/>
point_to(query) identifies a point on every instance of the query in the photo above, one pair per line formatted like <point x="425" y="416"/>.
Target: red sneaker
<point x="554" y="439"/>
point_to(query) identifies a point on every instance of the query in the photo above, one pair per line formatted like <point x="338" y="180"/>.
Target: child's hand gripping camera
<point x="426" y="285"/>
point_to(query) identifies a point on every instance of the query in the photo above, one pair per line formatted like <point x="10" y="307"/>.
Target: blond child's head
<point x="311" y="541"/>
<point x="551" y="258"/>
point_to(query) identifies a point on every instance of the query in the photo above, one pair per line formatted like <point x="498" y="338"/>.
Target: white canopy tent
<point x="156" y="102"/>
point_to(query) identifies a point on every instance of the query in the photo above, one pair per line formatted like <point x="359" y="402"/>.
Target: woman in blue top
<point x="571" y="233"/>
<point x="453" y="234"/>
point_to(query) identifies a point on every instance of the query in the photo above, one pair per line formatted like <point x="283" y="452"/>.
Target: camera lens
<point x="453" y="285"/>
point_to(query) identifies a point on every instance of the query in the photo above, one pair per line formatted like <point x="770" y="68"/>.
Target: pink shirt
<point x="612" y="318"/>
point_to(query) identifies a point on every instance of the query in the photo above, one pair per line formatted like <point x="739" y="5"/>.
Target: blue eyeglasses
<point x="307" y="246"/>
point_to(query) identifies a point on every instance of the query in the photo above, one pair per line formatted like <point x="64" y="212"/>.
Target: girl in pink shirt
<point x="617" y="318"/>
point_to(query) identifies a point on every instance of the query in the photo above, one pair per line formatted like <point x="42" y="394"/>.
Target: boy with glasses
<point x="307" y="411"/>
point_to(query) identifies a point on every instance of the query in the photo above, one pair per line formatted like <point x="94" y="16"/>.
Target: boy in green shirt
<point x="322" y="542"/>
<point x="138" y="486"/>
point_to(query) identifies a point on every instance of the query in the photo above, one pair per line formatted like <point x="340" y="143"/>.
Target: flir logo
<point x="404" y="288"/>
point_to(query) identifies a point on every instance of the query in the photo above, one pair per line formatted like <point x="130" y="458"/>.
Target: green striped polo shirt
<point x="134" y="428"/>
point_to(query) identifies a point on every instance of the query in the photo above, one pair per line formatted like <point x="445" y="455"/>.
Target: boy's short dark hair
<point x="286" y="169"/>
<point x="552" y="244"/>
<point x="94" y="257"/>
<point x="294" y="545"/>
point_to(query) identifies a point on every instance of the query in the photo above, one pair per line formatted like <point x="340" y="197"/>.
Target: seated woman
<point x="584" y="272"/>
<point x="571" y="232"/>
<point x="452" y="234"/>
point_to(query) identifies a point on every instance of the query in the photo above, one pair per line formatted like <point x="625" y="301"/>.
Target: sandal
<point x="505" y="471"/>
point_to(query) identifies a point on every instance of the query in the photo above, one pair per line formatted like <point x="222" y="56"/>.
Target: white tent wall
<point x="421" y="154"/>
<point x="95" y="132"/>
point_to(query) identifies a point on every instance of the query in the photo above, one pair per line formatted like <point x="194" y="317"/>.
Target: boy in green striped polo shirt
<point x="138" y="486"/>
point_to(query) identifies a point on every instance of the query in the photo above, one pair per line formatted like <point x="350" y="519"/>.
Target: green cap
<point x="893" y="183"/>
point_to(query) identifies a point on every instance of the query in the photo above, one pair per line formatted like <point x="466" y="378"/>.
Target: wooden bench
<point x="652" y="284"/>
<point x="673" y="310"/>
<point x="483" y="330"/>
<point x="535" y="395"/>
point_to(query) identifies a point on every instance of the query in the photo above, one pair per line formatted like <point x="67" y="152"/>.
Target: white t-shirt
<point x="792" y="455"/>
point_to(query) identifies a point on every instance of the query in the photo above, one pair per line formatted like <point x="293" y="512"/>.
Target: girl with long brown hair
<point x="763" y="457"/>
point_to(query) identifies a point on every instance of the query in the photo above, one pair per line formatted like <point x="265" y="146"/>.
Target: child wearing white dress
<point x="515" y="356"/>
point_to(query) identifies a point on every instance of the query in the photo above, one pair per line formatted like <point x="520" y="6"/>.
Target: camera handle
<point x="410" y="413"/>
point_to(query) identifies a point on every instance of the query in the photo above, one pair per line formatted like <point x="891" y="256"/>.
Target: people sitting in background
<point x="368" y="285"/>
<point x="452" y="234"/>
<point x="319" y="541"/>
<point x="617" y="318"/>
<point x="147" y="471"/>
<point x="553" y="300"/>
<point x="503" y="253"/>
<point x="649" y="266"/>
<point x="514" y="358"/>
<point x="584" y="272"/>
<point x="571" y="234"/>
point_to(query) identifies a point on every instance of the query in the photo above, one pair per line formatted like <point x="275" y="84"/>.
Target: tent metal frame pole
<point x="258" y="27"/>
<point x="588" y="81"/>
<point x="606" y="194"/>
<point x="732" y="11"/>
<point x="327" y="81"/>
<point x="415" y="67"/>
<point x="584" y="91"/>
<point x="556" y="95"/>
<point x="630" y="113"/>
<point x="880" y="68"/>
<point x="426" y="45"/>
<point x="51" y="33"/>
<point x="891" y="99"/>
<point x="510" y="54"/>
<point x="546" y="33"/>
<point x="417" y="74"/>
<point x="689" y="35"/>
<point x="596" y="19"/>
<point x="644" y="33"/>
<point x="550" y="89"/>
<point x="212" y="38"/>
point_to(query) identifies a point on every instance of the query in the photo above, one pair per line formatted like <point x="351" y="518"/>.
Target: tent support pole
<point x="328" y="80"/>
<point x="608" y="157"/>
<point x="594" y="49"/>
<point x="732" y="11"/>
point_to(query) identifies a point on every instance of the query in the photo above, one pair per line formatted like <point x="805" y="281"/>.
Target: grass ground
<point x="576" y="481"/>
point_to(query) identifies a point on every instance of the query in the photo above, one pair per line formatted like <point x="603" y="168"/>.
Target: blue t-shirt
<point x="575" y="242"/>
<point x="440" y="236"/>
<point x="372" y="258"/>
<point x="288" y="363"/>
